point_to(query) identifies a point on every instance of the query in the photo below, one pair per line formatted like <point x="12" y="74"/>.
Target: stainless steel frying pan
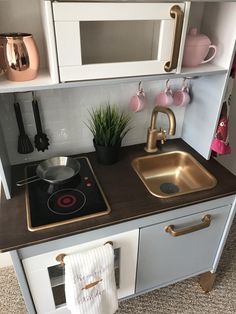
<point x="54" y="170"/>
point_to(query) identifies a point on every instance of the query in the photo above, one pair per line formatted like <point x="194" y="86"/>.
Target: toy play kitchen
<point x="136" y="225"/>
<point x="92" y="53"/>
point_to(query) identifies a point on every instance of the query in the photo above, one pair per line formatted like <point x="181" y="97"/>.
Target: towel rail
<point x="60" y="257"/>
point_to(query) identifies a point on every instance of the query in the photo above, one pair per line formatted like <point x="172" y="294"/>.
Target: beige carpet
<point x="185" y="297"/>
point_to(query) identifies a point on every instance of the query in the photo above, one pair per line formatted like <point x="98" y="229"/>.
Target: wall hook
<point x="140" y="89"/>
<point x="168" y="84"/>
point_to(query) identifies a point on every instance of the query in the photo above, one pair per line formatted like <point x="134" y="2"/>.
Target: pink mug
<point x="181" y="97"/>
<point x="137" y="102"/>
<point x="165" y="98"/>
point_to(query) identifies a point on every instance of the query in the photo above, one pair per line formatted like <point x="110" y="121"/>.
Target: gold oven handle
<point x="178" y="15"/>
<point x="60" y="257"/>
<point x="206" y="221"/>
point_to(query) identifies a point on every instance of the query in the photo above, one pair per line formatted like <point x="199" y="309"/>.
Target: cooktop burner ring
<point x="66" y="201"/>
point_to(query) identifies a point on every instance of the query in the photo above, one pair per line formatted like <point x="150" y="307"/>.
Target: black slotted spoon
<point x="24" y="144"/>
<point x="41" y="140"/>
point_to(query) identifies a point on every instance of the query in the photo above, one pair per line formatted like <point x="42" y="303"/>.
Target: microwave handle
<point x="178" y="15"/>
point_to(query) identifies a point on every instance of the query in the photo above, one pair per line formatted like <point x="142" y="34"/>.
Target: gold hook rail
<point x="60" y="257"/>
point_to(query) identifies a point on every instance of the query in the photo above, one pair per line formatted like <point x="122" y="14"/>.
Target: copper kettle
<point x="19" y="57"/>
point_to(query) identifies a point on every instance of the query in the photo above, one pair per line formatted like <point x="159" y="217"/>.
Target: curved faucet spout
<point x="153" y="135"/>
<point x="170" y="115"/>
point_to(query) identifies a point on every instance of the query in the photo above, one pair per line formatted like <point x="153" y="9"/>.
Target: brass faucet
<point x="153" y="135"/>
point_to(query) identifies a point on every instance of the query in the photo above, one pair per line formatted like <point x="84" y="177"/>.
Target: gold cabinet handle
<point x="206" y="221"/>
<point x="178" y="15"/>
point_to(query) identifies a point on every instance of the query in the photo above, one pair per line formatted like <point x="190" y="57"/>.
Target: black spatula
<point x="40" y="140"/>
<point x="24" y="144"/>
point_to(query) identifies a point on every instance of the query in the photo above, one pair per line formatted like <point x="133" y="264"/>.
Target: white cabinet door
<point x="165" y="258"/>
<point x="104" y="40"/>
<point x="45" y="275"/>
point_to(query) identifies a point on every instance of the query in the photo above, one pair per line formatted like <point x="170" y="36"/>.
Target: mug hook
<point x="167" y="84"/>
<point x="140" y="86"/>
<point x="185" y="82"/>
<point x="140" y="89"/>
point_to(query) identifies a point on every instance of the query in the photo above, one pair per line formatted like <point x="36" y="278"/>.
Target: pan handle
<point x="28" y="180"/>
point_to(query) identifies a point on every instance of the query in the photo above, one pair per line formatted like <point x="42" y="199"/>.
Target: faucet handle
<point x="163" y="135"/>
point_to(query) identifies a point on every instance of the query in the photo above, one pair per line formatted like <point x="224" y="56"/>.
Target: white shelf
<point x="43" y="81"/>
<point x="203" y="70"/>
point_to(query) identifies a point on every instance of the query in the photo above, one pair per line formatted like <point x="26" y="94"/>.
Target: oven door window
<point x="109" y="41"/>
<point x="57" y="279"/>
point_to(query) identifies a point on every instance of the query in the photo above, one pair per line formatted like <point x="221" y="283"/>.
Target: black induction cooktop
<point x="50" y="205"/>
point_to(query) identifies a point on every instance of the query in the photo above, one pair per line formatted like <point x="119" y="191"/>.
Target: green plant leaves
<point x="108" y="125"/>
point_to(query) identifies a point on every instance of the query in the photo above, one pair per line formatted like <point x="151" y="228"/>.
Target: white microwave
<point x="45" y="275"/>
<point x="97" y="40"/>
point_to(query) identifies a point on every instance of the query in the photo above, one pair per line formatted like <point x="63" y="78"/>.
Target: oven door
<point x="105" y="40"/>
<point x="45" y="275"/>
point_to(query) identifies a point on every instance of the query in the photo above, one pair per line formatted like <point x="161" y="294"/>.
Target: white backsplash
<point x="64" y="113"/>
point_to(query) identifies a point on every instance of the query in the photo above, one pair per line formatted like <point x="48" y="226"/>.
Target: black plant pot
<point x="107" y="155"/>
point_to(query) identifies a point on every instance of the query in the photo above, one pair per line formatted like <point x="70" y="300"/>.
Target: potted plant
<point x="108" y="126"/>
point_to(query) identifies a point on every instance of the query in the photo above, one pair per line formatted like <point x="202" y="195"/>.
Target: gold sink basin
<point x="171" y="174"/>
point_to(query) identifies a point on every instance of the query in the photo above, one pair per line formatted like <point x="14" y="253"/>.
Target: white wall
<point x="64" y="113"/>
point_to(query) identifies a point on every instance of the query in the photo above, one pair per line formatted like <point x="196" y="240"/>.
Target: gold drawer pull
<point x="178" y="15"/>
<point x="206" y="221"/>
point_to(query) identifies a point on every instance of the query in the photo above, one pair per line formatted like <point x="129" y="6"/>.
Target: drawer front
<point x="165" y="258"/>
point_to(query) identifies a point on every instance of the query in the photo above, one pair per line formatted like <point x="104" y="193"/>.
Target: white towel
<point x="90" y="286"/>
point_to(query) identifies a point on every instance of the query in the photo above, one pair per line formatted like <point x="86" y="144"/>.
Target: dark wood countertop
<point x="125" y="192"/>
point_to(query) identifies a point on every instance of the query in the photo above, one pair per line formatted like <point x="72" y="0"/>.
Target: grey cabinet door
<point x="164" y="258"/>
